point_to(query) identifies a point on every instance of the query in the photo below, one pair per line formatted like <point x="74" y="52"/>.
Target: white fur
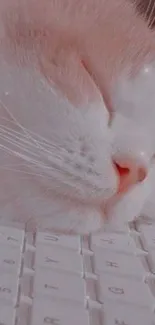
<point x="55" y="159"/>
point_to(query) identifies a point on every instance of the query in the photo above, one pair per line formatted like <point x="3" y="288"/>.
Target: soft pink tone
<point x="56" y="168"/>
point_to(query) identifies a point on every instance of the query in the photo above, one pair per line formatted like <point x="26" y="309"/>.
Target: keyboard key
<point x="151" y="261"/>
<point x="61" y="285"/>
<point x="72" y="242"/>
<point x="125" y="315"/>
<point x="148" y="239"/>
<point x="7" y="315"/>
<point x="114" y="241"/>
<point x="8" y="287"/>
<point x="24" y="312"/>
<point x="55" y="257"/>
<point x="57" y="313"/>
<point x="121" y="264"/>
<point x="124" y="290"/>
<point x="12" y="236"/>
<point x="144" y="226"/>
<point x="95" y="317"/>
<point x="10" y="259"/>
<point x="118" y="227"/>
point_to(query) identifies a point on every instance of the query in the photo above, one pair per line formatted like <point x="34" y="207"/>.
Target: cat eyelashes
<point x="147" y="9"/>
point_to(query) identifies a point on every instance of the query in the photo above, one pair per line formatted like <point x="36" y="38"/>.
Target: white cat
<point x="59" y="139"/>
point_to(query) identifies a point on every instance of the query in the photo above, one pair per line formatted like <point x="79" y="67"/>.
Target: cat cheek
<point x="133" y="104"/>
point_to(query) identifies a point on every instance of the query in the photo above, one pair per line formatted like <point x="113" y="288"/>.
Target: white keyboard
<point x="105" y="279"/>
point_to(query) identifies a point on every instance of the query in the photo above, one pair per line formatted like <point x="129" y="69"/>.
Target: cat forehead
<point x="31" y="25"/>
<point x="27" y="21"/>
<point x="71" y="12"/>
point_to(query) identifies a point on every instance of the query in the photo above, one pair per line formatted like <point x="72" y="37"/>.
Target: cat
<point x="67" y="70"/>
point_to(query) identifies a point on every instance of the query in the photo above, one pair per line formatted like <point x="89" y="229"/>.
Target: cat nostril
<point x="141" y="174"/>
<point x="129" y="175"/>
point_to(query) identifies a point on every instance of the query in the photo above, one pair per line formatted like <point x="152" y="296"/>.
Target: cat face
<point x="66" y="71"/>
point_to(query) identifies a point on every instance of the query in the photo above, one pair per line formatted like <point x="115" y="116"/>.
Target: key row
<point x="122" y="242"/>
<point x="61" y="313"/>
<point x="56" y="257"/>
<point x="60" y="285"/>
<point x="58" y="313"/>
<point x="101" y="261"/>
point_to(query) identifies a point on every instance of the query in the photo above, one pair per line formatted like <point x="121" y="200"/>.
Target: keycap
<point x="55" y="257"/>
<point x="124" y="290"/>
<point x="61" y="285"/>
<point x="151" y="261"/>
<point x="24" y="314"/>
<point x="148" y="239"/>
<point x="145" y="226"/>
<point x="7" y="315"/>
<point x="72" y="242"/>
<point x="114" y="241"/>
<point x="8" y="287"/>
<point x="126" y="315"/>
<point x="57" y="313"/>
<point x="12" y="236"/>
<point x="10" y="259"/>
<point x="119" y="227"/>
<point x="95" y="317"/>
<point x="121" y="264"/>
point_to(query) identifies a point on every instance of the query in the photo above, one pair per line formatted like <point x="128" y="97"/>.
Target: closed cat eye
<point x="147" y="9"/>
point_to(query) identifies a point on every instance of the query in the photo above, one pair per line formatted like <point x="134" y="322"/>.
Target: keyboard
<point x="107" y="278"/>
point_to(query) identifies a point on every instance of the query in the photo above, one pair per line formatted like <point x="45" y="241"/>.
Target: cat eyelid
<point x="105" y="98"/>
<point x="146" y="8"/>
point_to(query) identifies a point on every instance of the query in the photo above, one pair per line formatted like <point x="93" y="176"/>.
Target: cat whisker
<point x="24" y="139"/>
<point x="18" y="145"/>
<point x="25" y="147"/>
<point x="53" y="170"/>
<point x="22" y="143"/>
<point x="44" y="144"/>
<point x="26" y="150"/>
<point x="18" y="135"/>
<point x="17" y="154"/>
<point x="22" y="172"/>
<point x="18" y="124"/>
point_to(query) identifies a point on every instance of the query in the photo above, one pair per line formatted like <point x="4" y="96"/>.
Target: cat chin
<point x="78" y="220"/>
<point x="57" y="215"/>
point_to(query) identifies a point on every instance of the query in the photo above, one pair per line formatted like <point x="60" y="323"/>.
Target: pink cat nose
<point x="129" y="174"/>
<point x="132" y="163"/>
<point x="132" y="151"/>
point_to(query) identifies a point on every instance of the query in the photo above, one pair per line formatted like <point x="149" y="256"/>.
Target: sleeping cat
<point x="76" y="110"/>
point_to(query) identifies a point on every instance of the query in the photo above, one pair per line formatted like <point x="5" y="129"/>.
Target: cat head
<point x="66" y="71"/>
